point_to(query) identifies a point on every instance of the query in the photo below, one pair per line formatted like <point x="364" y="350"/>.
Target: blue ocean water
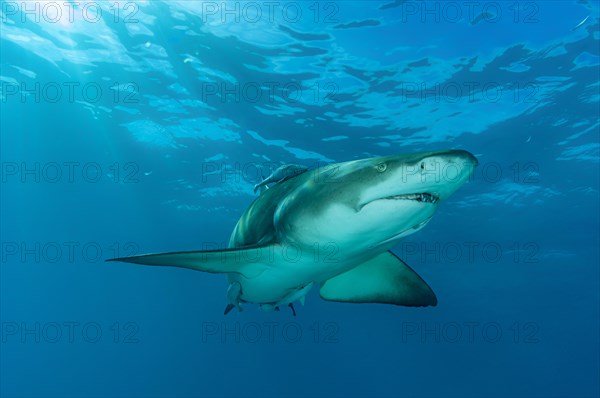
<point x="134" y="127"/>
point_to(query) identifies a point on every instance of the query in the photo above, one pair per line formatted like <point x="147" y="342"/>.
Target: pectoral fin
<point x="249" y="261"/>
<point x="383" y="279"/>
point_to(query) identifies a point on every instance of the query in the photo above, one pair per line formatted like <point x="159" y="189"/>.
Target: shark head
<point x="372" y="203"/>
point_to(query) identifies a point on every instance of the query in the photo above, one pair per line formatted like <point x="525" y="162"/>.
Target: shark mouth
<point x="419" y="197"/>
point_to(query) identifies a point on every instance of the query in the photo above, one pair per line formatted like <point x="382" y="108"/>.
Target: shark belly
<point x="284" y="277"/>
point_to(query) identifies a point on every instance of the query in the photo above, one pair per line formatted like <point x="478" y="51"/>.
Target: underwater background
<point x="135" y="127"/>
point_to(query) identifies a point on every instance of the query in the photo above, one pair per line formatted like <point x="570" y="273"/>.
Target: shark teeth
<point x="419" y="197"/>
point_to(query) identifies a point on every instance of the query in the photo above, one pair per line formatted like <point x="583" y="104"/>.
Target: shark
<point x="332" y="228"/>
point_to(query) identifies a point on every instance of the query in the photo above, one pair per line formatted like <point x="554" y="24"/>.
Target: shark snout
<point x="448" y="171"/>
<point x="466" y="157"/>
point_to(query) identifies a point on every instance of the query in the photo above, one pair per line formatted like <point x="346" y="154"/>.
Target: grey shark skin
<point x="333" y="227"/>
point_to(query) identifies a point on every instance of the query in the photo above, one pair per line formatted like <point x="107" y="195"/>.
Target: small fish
<point x="281" y="174"/>
<point x="483" y="16"/>
<point x="580" y="23"/>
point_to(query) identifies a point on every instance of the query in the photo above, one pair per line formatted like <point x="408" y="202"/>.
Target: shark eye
<point x="381" y="167"/>
<point x="422" y="165"/>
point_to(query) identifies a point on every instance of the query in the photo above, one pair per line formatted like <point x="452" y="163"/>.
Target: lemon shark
<point x="332" y="227"/>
